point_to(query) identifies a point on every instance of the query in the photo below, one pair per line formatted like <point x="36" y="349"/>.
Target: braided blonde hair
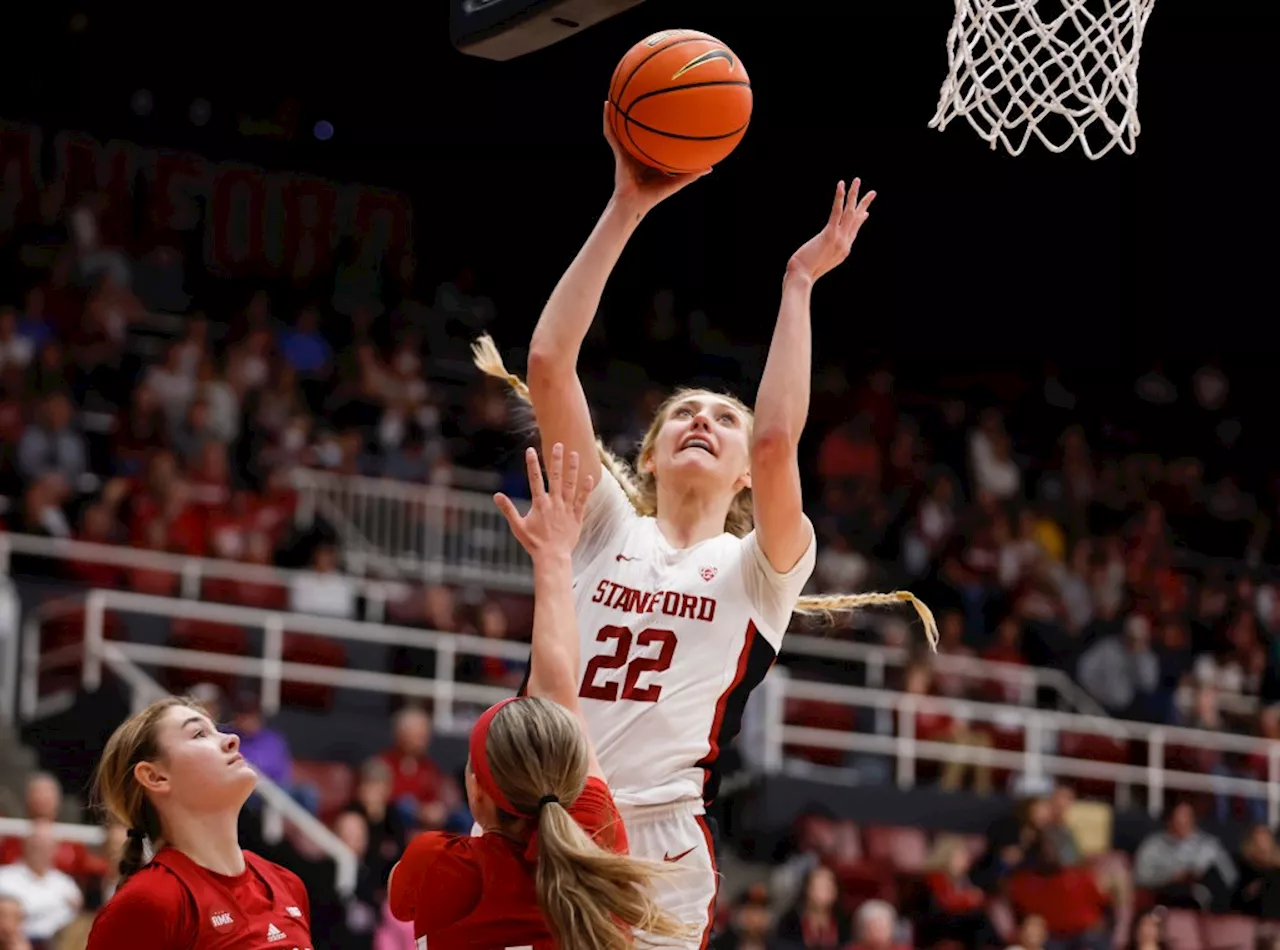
<point x="641" y="491"/>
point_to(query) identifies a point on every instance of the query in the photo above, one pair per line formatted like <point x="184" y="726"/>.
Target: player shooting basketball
<point x="689" y="567"/>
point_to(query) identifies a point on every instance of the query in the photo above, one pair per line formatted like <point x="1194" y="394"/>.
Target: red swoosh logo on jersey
<point x="668" y="857"/>
<point x="623" y="557"/>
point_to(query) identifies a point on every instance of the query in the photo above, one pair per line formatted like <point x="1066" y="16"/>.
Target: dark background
<point x="970" y="253"/>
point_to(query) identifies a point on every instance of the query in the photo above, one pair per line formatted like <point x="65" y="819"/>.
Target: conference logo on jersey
<point x="274" y="933"/>
<point x="708" y="574"/>
<point x="293" y="912"/>
<point x="222" y="920"/>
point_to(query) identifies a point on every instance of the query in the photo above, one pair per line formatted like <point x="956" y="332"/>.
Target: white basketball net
<point x="1059" y="69"/>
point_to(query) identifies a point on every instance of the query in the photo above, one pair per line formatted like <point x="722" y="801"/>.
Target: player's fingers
<point x="608" y="126"/>
<point x="555" y="471"/>
<point x="570" y="487"/>
<point x="866" y="202"/>
<point x="852" y="201"/>
<point x="837" y="204"/>
<point x="535" y="473"/>
<point x="508" y="509"/>
<point x="580" y="500"/>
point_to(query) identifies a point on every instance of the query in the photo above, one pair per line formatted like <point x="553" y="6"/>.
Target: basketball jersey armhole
<point x="616" y="528"/>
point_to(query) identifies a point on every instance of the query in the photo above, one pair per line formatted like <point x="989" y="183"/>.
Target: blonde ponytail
<point x="642" y="493"/>
<point x="585" y="892"/>
<point x="828" y="606"/>
<point x="591" y="898"/>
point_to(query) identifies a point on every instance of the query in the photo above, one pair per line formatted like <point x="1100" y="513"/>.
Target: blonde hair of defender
<point x="537" y="748"/>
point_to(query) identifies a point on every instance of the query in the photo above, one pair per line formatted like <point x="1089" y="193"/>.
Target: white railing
<point x="269" y="667"/>
<point x="1027" y="681"/>
<point x="93" y="835"/>
<point x="191" y="571"/>
<point x="1040" y="756"/>
<point x="10" y="641"/>
<point x="428" y="532"/>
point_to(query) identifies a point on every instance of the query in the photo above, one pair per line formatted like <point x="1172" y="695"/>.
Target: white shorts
<point x="675" y="834"/>
<point x="678" y="835"/>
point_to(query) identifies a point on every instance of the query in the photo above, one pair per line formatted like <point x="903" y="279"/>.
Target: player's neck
<point x="688" y="519"/>
<point x="210" y="840"/>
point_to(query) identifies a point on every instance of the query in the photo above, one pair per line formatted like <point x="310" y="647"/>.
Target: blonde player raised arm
<point x="690" y="566"/>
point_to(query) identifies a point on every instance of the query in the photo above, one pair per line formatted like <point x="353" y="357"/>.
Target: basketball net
<point x="1063" y="70"/>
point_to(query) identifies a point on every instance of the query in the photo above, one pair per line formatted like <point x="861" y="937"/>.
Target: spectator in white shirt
<point x="991" y="457"/>
<point x="172" y="384"/>
<point x="50" y="899"/>
<point x="15" y="350"/>
<point x="325" y="592"/>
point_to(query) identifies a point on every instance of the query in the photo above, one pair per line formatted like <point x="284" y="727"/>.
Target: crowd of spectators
<point x="1041" y="878"/>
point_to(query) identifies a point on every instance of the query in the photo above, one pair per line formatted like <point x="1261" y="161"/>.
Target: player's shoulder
<point x="440" y="848"/>
<point x="597" y="813"/>
<point x="153" y="886"/>
<point x="152" y="907"/>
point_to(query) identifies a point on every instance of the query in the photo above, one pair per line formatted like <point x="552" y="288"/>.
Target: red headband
<point x="480" y="758"/>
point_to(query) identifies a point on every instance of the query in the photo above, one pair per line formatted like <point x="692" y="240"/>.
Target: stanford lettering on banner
<point x="85" y="167"/>
<point x="176" y="183"/>
<point x="256" y="223"/>
<point x="309" y="228"/>
<point x="239" y="220"/>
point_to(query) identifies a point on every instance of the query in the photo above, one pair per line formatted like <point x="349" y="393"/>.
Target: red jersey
<point x="462" y="892"/>
<point x="174" y="904"/>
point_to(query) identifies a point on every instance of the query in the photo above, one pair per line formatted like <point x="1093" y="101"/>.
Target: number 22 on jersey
<point x="630" y="690"/>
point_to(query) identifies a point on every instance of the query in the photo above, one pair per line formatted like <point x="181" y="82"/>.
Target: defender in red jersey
<point x="169" y="775"/>
<point x="550" y="871"/>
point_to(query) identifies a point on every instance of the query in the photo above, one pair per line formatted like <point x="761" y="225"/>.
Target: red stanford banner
<point x="256" y="223"/>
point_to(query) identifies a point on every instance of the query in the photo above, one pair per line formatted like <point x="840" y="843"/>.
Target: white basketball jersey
<point x="673" y="642"/>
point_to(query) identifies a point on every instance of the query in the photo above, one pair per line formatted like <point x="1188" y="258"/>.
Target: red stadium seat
<point x="207" y="637"/>
<point x="1228" y="933"/>
<point x="1097" y="749"/>
<point x="1182" y="931"/>
<point x="67" y="631"/>
<point x="819" y="715"/>
<point x="319" y="651"/>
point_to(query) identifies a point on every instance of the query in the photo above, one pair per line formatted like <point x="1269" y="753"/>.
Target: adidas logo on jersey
<point x="221" y="920"/>
<point x="274" y="933"/>
<point x="293" y="912"/>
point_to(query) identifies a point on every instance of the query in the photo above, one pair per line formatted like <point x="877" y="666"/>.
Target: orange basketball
<point x="680" y="101"/>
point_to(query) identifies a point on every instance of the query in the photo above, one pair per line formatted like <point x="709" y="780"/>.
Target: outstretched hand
<point x="554" y="520"/>
<point x="636" y="182"/>
<point x="830" y="246"/>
